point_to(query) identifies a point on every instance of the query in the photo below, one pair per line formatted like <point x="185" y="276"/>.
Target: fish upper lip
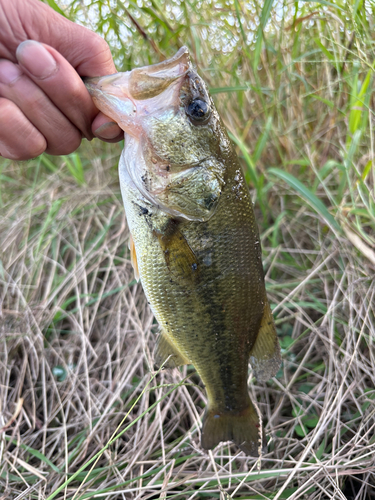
<point x="145" y="82"/>
<point x="128" y="97"/>
<point x="182" y="57"/>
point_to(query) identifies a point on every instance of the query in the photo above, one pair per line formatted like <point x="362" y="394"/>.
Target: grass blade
<point x="266" y="10"/>
<point x="307" y="195"/>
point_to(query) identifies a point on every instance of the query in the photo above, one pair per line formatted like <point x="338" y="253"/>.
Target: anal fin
<point x="164" y="348"/>
<point x="265" y="357"/>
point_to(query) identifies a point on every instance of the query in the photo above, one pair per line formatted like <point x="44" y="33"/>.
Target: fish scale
<point x="196" y="241"/>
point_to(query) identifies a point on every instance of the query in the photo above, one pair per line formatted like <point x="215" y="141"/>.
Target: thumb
<point x="86" y="51"/>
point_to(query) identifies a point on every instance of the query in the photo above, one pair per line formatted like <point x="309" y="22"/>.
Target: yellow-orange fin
<point x="165" y="348"/>
<point x="265" y="357"/>
<point x="243" y="428"/>
<point x="133" y="258"/>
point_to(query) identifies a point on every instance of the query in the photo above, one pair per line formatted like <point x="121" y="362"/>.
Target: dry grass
<point x="76" y="333"/>
<point x="76" y="340"/>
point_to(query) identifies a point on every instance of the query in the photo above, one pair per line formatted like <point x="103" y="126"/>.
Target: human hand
<point x="44" y="105"/>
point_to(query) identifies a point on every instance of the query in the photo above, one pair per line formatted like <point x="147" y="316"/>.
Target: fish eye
<point x="198" y="110"/>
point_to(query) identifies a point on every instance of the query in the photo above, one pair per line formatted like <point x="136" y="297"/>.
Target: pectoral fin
<point x="133" y="258"/>
<point x="265" y="356"/>
<point x="164" y="348"/>
<point x="179" y="257"/>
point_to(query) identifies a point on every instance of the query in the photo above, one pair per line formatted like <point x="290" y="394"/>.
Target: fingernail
<point x="109" y="130"/>
<point x="9" y="72"/>
<point x="36" y="59"/>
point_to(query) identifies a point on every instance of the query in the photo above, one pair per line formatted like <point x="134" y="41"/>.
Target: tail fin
<point x="243" y="428"/>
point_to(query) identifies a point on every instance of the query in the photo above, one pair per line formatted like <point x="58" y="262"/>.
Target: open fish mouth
<point x="169" y="121"/>
<point x="127" y="97"/>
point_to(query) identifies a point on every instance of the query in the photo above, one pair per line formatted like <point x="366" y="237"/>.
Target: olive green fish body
<point x="197" y="246"/>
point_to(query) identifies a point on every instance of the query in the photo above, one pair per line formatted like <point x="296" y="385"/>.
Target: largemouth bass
<point x="195" y="241"/>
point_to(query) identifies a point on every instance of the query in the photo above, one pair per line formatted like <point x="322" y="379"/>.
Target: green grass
<point x="294" y="84"/>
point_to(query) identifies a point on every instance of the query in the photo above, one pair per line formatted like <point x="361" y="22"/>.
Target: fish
<point x="194" y="240"/>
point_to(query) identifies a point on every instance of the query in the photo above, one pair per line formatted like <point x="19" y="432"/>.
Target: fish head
<point x="175" y="142"/>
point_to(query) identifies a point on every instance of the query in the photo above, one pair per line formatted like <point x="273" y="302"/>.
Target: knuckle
<point x="34" y="101"/>
<point x="100" y="51"/>
<point x="22" y="152"/>
<point x="33" y="145"/>
<point x="19" y="139"/>
<point x="7" y="110"/>
<point x="38" y="149"/>
<point x="99" y="45"/>
<point x="10" y="72"/>
<point x="76" y="91"/>
<point x="66" y="145"/>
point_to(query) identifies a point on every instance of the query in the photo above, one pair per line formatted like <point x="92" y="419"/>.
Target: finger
<point x="86" y="51"/>
<point x="106" y="129"/>
<point x="19" y="139"/>
<point x="59" y="81"/>
<point x="61" y="135"/>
